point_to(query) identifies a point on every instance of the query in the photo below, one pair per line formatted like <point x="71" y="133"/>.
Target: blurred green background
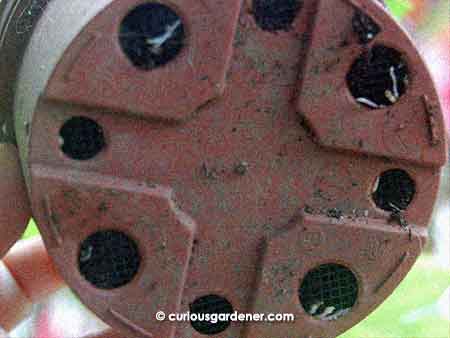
<point x="413" y="310"/>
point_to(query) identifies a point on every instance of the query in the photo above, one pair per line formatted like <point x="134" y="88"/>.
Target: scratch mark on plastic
<point x="392" y="272"/>
<point x="432" y="113"/>
<point x="129" y="324"/>
<point x="53" y="224"/>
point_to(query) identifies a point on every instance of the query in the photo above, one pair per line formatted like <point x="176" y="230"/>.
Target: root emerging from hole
<point x="378" y="78"/>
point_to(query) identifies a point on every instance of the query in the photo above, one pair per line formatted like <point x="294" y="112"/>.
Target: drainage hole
<point x="365" y="28"/>
<point x="328" y="292"/>
<point x="378" y="78"/>
<point x="109" y="259"/>
<point x="81" y="138"/>
<point x="208" y="305"/>
<point x="151" y="35"/>
<point x="394" y="190"/>
<point x="276" y="15"/>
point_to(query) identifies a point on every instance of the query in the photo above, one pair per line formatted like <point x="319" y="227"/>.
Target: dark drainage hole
<point x="109" y="259"/>
<point x="208" y="305"/>
<point x="394" y="190"/>
<point x="151" y="35"/>
<point x="276" y="15"/>
<point x="328" y="292"/>
<point x="378" y="78"/>
<point x="81" y="138"/>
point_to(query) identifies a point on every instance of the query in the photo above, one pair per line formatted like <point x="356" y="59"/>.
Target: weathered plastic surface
<point x="378" y="254"/>
<point x="191" y="80"/>
<point x="401" y="131"/>
<point x="223" y="164"/>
